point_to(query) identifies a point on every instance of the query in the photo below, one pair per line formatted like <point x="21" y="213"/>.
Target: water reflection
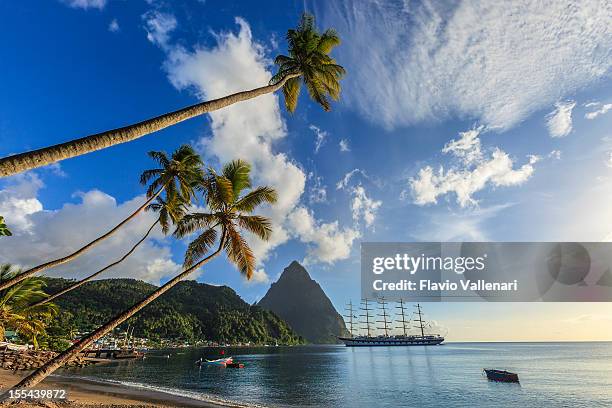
<point x="330" y="376"/>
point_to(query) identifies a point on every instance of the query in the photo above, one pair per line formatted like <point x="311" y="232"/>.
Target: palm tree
<point x="230" y="213"/>
<point x="309" y="57"/>
<point x="307" y="48"/>
<point x="177" y="174"/>
<point x="4" y="231"/>
<point x="170" y="211"/>
<point x="15" y="310"/>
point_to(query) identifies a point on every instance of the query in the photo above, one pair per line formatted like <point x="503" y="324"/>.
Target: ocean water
<point x="551" y="375"/>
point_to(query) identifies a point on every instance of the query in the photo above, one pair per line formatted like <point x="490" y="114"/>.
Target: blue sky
<point x="462" y="122"/>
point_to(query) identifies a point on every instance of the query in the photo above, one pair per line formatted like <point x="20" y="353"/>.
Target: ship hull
<point x="391" y="341"/>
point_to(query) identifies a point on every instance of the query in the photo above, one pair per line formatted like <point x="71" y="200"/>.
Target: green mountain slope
<point x="190" y="311"/>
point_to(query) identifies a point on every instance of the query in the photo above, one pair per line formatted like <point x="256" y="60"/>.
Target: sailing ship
<point x="371" y="338"/>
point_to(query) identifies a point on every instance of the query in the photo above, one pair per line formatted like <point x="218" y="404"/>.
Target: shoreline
<point x="86" y="393"/>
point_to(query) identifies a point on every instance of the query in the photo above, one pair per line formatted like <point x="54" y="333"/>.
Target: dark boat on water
<point x="501" y="376"/>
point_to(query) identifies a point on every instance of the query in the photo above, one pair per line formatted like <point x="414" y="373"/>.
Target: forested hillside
<point x="191" y="311"/>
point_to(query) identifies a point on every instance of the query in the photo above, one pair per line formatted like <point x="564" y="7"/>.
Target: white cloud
<point x="18" y="201"/>
<point x="559" y="121"/>
<point x="343" y="183"/>
<point x="41" y="234"/>
<point x="328" y="241"/>
<point x="248" y="130"/>
<point x="465" y="225"/>
<point x="321" y="135"/>
<point x="601" y="111"/>
<point x="467" y="147"/>
<point x="259" y="277"/>
<point x="85" y="4"/>
<point x="608" y="161"/>
<point x="159" y="26"/>
<point x="318" y="191"/>
<point x="556" y="154"/>
<point x="496" y="62"/>
<point x="363" y="207"/>
<point x="113" y="27"/>
<point x="474" y="174"/>
<point x="344" y="145"/>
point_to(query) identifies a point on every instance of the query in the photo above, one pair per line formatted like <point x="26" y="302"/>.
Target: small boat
<point x="501" y="376"/>
<point x="234" y="365"/>
<point x="221" y="362"/>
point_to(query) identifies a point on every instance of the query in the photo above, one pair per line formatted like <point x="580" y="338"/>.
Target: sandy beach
<point x="90" y="394"/>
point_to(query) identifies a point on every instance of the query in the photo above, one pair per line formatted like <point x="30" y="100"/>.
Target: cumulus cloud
<point x="85" y="4"/>
<point x="159" y="26"/>
<point x="328" y="242"/>
<point x="363" y="207"/>
<point x="555" y="154"/>
<point x="259" y="277"/>
<point x="344" y="145"/>
<point x="473" y="174"/>
<point x="248" y="130"/>
<point x="597" y="112"/>
<point x="496" y="62"/>
<point x="559" y="121"/>
<point x="113" y="26"/>
<point x="18" y="201"/>
<point x="320" y="136"/>
<point x="41" y="234"/>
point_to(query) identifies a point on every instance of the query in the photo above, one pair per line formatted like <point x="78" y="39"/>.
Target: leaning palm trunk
<point x="93" y="275"/>
<point x="65" y="357"/>
<point x="77" y="147"/>
<point x="79" y="252"/>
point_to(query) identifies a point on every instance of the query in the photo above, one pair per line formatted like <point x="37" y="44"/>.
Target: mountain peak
<point x="301" y="302"/>
<point x="295" y="270"/>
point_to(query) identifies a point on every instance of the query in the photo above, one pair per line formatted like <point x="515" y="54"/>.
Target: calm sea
<point x="551" y="374"/>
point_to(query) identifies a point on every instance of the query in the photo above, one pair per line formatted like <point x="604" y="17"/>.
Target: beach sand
<point x="90" y="394"/>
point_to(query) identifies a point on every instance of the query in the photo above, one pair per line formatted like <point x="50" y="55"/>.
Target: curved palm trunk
<point x="66" y="356"/>
<point x="79" y="252"/>
<point x="41" y="157"/>
<point x="93" y="275"/>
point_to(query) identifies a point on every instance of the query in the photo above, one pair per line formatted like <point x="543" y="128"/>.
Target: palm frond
<point x="190" y="223"/>
<point x="256" y="197"/>
<point x="224" y="190"/>
<point x="239" y="252"/>
<point x="328" y="41"/>
<point x="257" y="224"/>
<point x="239" y="173"/>
<point x="160" y="157"/>
<point x="291" y="93"/>
<point x="199" y="247"/>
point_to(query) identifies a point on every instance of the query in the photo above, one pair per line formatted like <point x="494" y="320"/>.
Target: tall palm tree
<point x="309" y="57"/>
<point x="306" y="47"/>
<point x="170" y="210"/>
<point x="15" y="310"/>
<point x="230" y="213"/>
<point x="177" y="174"/>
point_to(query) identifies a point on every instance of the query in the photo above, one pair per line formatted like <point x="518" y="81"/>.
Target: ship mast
<point x="367" y="316"/>
<point x="420" y="320"/>
<point x="351" y="316"/>
<point x="384" y="315"/>
<point x="402" y="314"/>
